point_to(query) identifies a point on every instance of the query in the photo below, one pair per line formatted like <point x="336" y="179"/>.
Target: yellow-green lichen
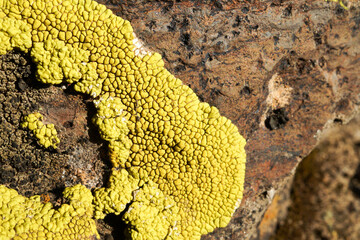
<point x="45" y="133"/>
<point x="14" y="33"/>
<point x="340" y="2"/>
<point x="29" y="218"/>
<point x="112" y="122"/>
<point x="162" y="139"/>
<point x="57" y="61"/>
<point x="151" y="201"/>
<point x="114" y="198"/>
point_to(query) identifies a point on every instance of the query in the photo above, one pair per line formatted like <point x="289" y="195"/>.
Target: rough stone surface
<point x="327" y="190"/>
<point x="282" y="71"/>
<point x="24" y="164"/>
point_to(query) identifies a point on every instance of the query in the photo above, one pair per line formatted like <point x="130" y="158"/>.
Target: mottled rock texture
<point x="325" y="192"/>
<point x="282" y="71"/>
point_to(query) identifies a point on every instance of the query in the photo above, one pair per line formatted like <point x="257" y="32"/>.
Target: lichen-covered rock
<point x="45" y="133"/>
<point x="114" y="198"/>
<point x="152" y="215"/>
<point x="340" y="2"/>
<point x="14" y="33"/>
<point x="167" y="139"/>
<point x="112" y="122"/>
<point x="29" y="218"/>
<point x="57" y="61"/>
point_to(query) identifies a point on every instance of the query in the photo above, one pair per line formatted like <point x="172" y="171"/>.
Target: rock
<point x="326" y="190"/>
<point x="26" y="166"/>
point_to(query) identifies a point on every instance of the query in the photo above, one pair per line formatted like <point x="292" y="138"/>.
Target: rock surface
<point x="326" y="189"/>
<point x="282" y="71"/>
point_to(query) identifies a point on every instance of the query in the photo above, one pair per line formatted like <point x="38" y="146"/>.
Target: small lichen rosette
<point x="45" y="133"/>
<point x="29" y="218"/>
<point x="170" y="144"/>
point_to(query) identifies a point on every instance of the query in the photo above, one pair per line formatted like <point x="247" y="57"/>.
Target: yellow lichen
<point x="114" y="198"/>
<point x="340" y="2"/>
<point x="162" y="139"/>
<point x="164" y="212"/>
<point x="57" y="61"/>
<point x="14" y="33"/>
<point x="45" y="133"/>
<point x="28" y="218"/>
<point x="112" y="122"/>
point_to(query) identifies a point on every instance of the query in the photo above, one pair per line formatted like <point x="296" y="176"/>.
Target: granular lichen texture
<point x="45" y="133"/>
<point x="179" y="165"/>
<point x="29" y="218"/>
